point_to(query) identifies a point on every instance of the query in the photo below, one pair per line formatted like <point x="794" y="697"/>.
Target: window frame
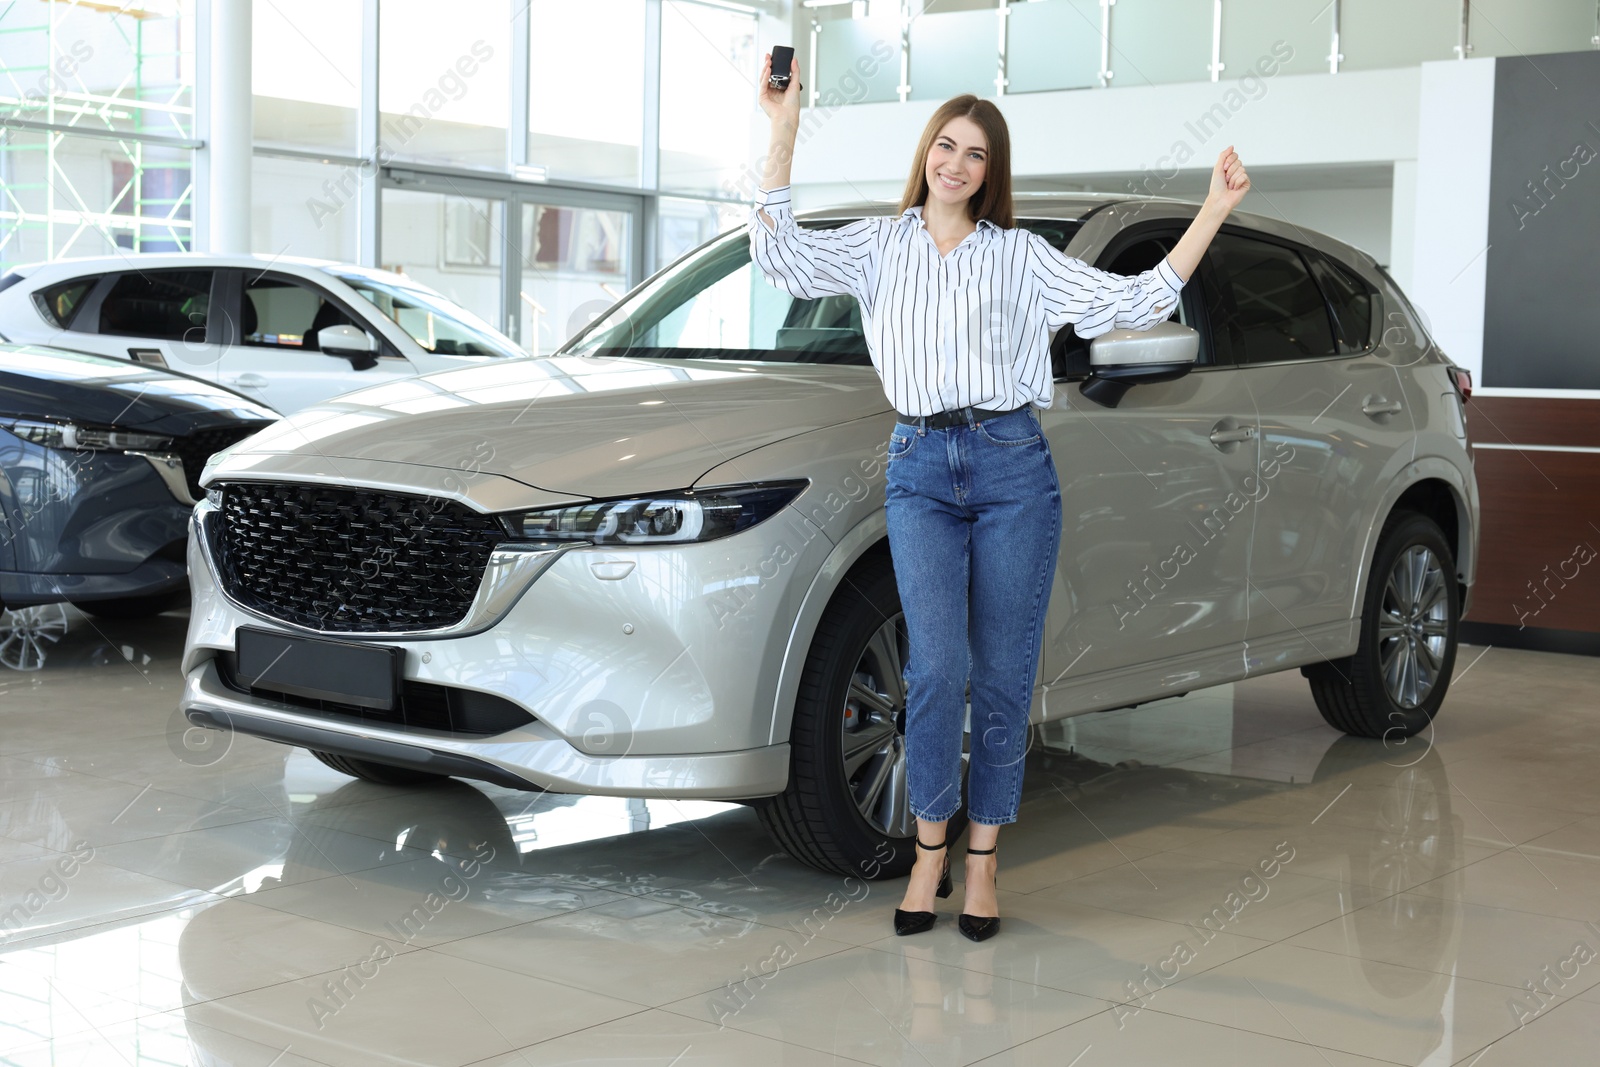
<point x="1374" y="294"/>
<point x="234" y="295"/>
<point x="1306" y="252"/>
<point x="97" y="283"/>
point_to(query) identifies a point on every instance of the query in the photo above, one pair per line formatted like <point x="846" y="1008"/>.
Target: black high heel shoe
<point x="980" y="927"/>
<point x="914" y="922"/>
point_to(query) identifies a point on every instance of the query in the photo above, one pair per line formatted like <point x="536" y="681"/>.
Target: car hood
<point x="52" y="383"/>
<point x="580" y="426"/>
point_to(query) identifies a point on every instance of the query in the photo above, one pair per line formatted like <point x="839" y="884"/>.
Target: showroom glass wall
<point x="541" y="156"/>
<point x="96" y="129"/>
<point x="537" y="161"/>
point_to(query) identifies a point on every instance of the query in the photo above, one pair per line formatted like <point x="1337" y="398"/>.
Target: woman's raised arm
<point x="1096" y="301"/>
<point x="804" y="263"/>
<point x="783" y="108"/>
<point x="1229" y="183"/>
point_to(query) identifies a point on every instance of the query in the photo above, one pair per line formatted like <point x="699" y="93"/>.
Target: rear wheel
<point x="381" y="773"/>
<point x="1395" y="682"/>
<point x="846" y="808"/>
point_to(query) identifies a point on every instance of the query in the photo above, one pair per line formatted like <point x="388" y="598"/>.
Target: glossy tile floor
<point x="1216" y="879"/>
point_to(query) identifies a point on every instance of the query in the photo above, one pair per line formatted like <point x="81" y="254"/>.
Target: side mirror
<point x="1121" y="359"/>
<point x="349" y="342"/>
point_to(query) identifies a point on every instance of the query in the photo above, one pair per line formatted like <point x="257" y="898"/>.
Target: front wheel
<point x="846" y="809"/>
<point x="1395" y="682"/>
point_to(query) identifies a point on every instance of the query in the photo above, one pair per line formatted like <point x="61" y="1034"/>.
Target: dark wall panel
<point x="1541" y="311"/>
<point x="1539" y="538"/>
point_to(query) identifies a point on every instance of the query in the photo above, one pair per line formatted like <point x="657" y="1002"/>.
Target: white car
<point x="287" y="332"/>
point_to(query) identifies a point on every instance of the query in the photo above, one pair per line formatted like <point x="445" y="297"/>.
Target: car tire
<point x="380" y="773"/>
<point x="133" y="607"/>
<point x="818" y="818"/>
<point x="1393" y="685"/>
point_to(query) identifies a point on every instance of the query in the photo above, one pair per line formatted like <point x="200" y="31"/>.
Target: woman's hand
<point x="781" y="105"/>
<point x="1229" y="182"/>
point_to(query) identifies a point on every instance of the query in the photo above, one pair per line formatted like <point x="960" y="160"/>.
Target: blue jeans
<point x="974" y="515"/>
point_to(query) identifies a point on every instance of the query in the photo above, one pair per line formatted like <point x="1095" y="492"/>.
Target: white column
<point x="1455" y="134"/>
<point x="229" y="136"/>
<point x="370" y="230"/>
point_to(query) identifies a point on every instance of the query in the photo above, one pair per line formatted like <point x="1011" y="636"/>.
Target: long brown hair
<point x="992" y="200"/>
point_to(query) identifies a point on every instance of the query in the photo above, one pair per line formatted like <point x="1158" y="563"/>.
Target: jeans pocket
<point x="1017" y="428"/>
<point x="901" y="443"/>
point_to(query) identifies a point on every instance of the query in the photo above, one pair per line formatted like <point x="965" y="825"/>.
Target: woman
<point x="958" y="307"/>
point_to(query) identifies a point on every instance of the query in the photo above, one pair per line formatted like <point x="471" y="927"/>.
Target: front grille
<point x="418" y="706"/>
<point x="351" y="560"/>
<point x="201" y="445"/>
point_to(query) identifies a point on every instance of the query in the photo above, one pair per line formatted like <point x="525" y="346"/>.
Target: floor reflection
<point x="1214" y="873"/>
<point x="457" y="859"/>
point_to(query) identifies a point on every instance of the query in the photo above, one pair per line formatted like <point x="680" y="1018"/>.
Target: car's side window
<point x="281" y="313"/>
<point x="714" y="304"/>
<point x="61" y="302"/>
<point x="167" y="305"/>
<point x="1269" y="309"/>
<point x="1069" y="353"/>
<point x="1349" y="301"/>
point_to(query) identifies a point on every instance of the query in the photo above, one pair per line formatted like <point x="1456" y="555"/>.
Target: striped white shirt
<point x="971" y="328"/>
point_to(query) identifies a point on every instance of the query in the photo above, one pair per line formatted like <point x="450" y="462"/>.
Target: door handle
<point x="249" y="381"/>
<point x="1226" y="437"/>
<point x="1378" y="405"/>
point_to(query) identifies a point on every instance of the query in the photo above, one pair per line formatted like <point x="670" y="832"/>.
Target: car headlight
<point x="660" y="519"/>
<point x="69" y="435"/>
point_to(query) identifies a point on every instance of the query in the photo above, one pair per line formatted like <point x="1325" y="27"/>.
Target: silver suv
<point x="655" y="564"/>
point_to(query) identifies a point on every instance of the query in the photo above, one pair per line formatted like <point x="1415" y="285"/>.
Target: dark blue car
<point x="100" y="462"/>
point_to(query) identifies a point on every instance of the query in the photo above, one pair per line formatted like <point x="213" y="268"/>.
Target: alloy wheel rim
<point x="27" y="634"/>
<point x="872" y="732"/>
<point x="1413" y="626"/>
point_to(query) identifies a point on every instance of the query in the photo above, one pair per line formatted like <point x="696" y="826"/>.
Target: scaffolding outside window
<point x="97" y="128"/>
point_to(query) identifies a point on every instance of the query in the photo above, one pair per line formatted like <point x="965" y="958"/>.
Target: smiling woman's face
<point x="960" y="152"/>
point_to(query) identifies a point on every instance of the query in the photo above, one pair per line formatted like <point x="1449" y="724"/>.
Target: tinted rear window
<point x="60" y="302"/>
<point x="1271" y="309"/>
<point x="169" y="305"/>
<point x="1350" y="301"/>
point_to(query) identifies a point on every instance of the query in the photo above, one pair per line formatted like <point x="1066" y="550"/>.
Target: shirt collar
<point x="914" y="214"/>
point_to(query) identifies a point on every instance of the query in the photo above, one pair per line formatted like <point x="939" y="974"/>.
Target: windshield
<point x="437" y="324"/>
<point x="714" y="304"/>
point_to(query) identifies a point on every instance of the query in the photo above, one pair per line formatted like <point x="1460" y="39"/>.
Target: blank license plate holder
<point x="346" y="672"/>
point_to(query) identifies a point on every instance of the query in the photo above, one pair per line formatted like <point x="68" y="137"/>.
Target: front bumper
<point x="153" y="577"/>
<point x="526" y="758"/>
<point x="86" y="526"/>
<point x="647" y="672"/>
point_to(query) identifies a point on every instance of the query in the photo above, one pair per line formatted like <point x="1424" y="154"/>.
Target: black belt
<point x="953" y="417"/>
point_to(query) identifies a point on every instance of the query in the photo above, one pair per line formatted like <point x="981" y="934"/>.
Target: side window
<point x="1270" y="309"/>
<point x="1350" y="301"/>
<point x="281" y="313"/>
<point x="60" y="302"/>
<point x="1069" y="353"/>
<point x="717" y="306"/>
<point x="167" y="305"/>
